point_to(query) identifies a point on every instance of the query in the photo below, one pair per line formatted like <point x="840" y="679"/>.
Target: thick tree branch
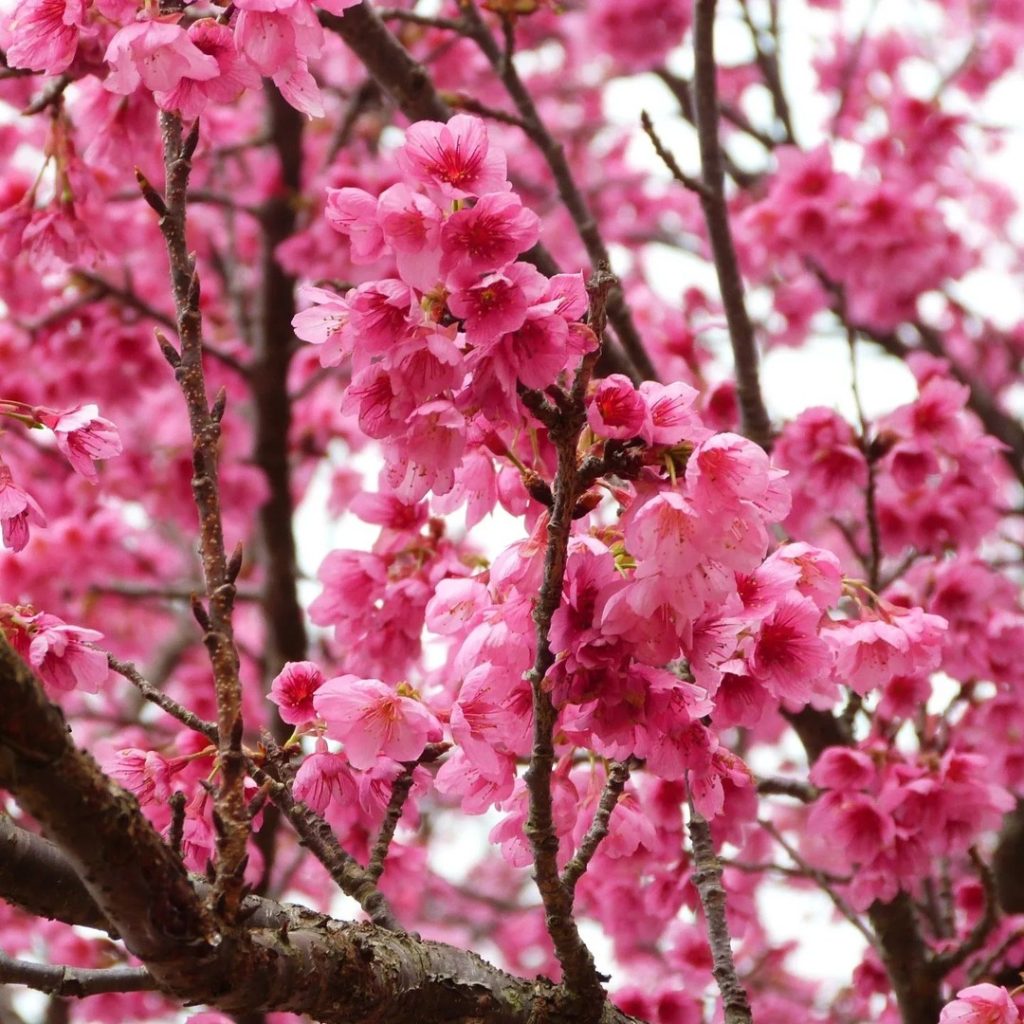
<point x="274" y="346"/>
<point x="755" y="421"/>
<point x="38" y="878"/>
<point x="277" y="957"/>
<point x="396" y="71"/>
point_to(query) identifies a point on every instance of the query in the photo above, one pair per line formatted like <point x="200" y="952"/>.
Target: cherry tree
<point x="628" y="652"/>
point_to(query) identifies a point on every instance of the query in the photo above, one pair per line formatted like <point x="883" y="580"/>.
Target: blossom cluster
<point x="184" y="67"/>
<point x="883" y="817"/>
<point x="81" y="437"/>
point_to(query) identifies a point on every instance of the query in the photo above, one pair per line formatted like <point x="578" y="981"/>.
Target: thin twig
<point x="564" y="424"/>
<point x="768" y="62"/>
<point x="707" y="879"/>
<point x="687" y="180"/>
<point x="948" y="961"/>
<point x="396" y="803"/>
<point x="130" y="300"/>
<point x="350" y="877"/>
<point x="618" y="775"/>
<point x="76" y="982"/>
<point x="823" y="882"/>
<point x="161" y="700"/>
<point x="755" y="421"/>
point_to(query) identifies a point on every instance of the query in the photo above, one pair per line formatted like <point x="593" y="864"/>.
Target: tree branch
<point x="218" y="572"/>
<point x="565" y="424"/>
<point x="707" y="878"/>
<point x="161" y="700"/>
<point x="618" y="776"/>
<point x="277" y="957"/>
<point x="77" y="982"/>
<point x="755" y="421"/>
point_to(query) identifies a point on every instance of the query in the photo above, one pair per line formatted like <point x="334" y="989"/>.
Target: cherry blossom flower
<point x="63" y="655"/>
<point x="82" y="436"/>
<point x="454" y="159"/>
<point x="191" y="95"/>
<point x="373" y="720"/>
<point x="157" y="54"/>
<point x="788" y="656"/>
<point x="871" y="651"/>
<point x="487" y="236"/>
<point x="44" y="34"/>
<point x="981" y="1004"/>
<point x="322" y="778"/>
<point x="616" y="409"/>
<point x="17" y="509"/>
<point x="293" y="689"/>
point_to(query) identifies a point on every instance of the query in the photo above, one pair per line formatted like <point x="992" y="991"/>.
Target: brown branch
<point x="102" y="288"/>
<point x="618" y="776"/>
<point x="873" y="564"/>
<point x="277" y="957"/>
<point x="980" y="400"/>
<point x="397" y="14"/>
<point x="139" y="885"/>
<point x="565" y="424"/>
<point x="755" y="421"/>
<point x="273" y="351"/>
<point x="683" y="92"/>
<point x="161" y="700"/>
<point x="346" y="872"/>
<point x="183" y="592"/>
<point x="666" y="157"/>
<point x="396" y="803"/>
<point x="767" y="60"/>
<point x="218" y="572"/>
<point x="707" y="878"/>
<point x="38" y="878"/>
<point x="824" y="882"/>
<point x="397" y="72"/>
<point x="76" y="982"/>
<point x="796" y="788"/>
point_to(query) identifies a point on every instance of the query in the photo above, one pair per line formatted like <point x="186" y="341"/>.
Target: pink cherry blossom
<point x="788" y="655"/>
<point x="157" y="54"/>
<point x="293" y="689"/>
<point x="353" y="212"/>
<point x="191" y="95"/>
<point x="616" y="409"/>
<point x="323" y="778"/>
<point x="17" y="509"/>
<point x="44" y="34"/>
<point x="82" y="436"/>
<point x="373" y="720"/>
<point x="871" y="651"/>
<point x="63" y="655"/>
<point x="454" y="159"/>
<point x="981" y="1004"/>
<point x="487" y="236"/>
